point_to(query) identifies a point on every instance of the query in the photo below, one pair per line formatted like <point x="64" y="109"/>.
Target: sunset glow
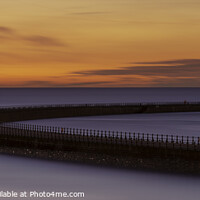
<point x="99" y="43"/>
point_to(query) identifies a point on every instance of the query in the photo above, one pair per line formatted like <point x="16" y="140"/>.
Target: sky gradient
<point x="99" y="43"/>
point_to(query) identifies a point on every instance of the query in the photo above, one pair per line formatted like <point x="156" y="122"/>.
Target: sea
<point x="35" y="96"/>
<point x="99" y="183"/>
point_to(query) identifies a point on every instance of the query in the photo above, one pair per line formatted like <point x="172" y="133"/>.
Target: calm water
<point x="186" y="124"/>
<point x="21" y="174"/>
<point x="93" y="95"/>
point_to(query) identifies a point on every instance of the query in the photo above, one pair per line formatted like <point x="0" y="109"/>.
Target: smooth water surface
<point x="36" y="96"/>
<point x="186" y="124"/>
<point x="22" y="174"/>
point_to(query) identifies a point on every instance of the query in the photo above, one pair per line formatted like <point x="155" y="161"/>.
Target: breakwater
<point x="141" y="151"/>
<point x="74" y="110"/>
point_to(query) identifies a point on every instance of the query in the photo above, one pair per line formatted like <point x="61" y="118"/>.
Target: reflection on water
<point x="22" y="174"/>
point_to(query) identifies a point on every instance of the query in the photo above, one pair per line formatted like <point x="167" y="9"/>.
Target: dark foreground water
<point x="22" y="174"/>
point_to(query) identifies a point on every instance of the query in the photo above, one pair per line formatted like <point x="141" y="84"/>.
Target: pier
<point x="111" y="148"/>
<point x="22" y="113"/>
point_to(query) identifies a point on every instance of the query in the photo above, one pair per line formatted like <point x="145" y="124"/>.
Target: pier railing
<point x="101" y="137"/>
<point x="99" y="105"/>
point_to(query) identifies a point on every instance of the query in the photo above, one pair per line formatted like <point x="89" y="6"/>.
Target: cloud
<point x="90" y="13"/>
<point x="39" y="83"/>
<point x="177" y="73"/>
<point x="184" y="68"/>
<point x="180" y="62"/>
<point x="43" y="40"/>
<point x="40" y="40"/>
<point x="178" y="82"/>
<point x="95" y="83"/>
<point x="6" y="30"/>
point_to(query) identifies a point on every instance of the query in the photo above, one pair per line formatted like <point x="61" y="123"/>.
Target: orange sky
<point x="99" y="43"/>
